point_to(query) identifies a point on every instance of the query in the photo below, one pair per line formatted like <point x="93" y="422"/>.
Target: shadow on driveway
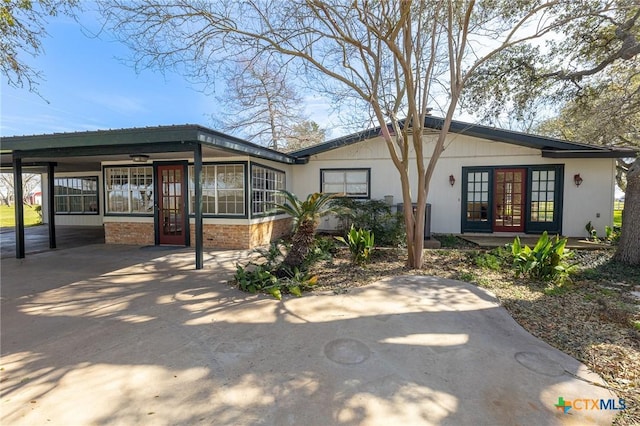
<point x="122" y="335"/>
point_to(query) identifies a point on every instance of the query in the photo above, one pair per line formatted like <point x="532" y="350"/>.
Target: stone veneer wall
<point x="129" y="233"/>
<point x="242" y="236"/>
<point x="264" y="233"/>
<point x="214" y="235"/>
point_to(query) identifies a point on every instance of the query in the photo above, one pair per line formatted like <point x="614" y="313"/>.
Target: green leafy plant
<point x="258" y="279"/>
<point x="374" y="215"/>
<point x="493" y="260"/>
<point x="360" y="243"/>
<point x="267" y="274"/>
<point x="546" y="261"/>
<point x="593" y="234"/>
<point x="612" y="235"/>
<point x="298" y="281"/>
<point x="306" y="215"/>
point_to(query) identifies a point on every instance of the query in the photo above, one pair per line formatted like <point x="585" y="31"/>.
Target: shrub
<point x="374" y="215"/>
<point x="360" y="243"/>
<point x="612" y="235"/>
<point x="38" y="209"/>
<point x="259" y="279"/>
<point x="268" y="274"/>
<point x="546" y="261"/>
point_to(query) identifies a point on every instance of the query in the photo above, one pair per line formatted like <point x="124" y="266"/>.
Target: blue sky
<point x="87" y="88"/>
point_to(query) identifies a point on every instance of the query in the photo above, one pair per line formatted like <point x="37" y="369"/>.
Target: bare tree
<point x="304" y="134"/>
<point x="260" y="102"/>
<point x="393" y="59"/>
<point x="30" y="181"/>
<point x="22" y="28"/>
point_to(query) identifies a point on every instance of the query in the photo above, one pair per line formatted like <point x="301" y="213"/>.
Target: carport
<point x="164" y="146"/>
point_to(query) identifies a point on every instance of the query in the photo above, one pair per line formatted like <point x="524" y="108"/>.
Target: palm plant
<point x="306" y="215"/>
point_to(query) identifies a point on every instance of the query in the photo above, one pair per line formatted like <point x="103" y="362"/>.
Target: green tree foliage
<point x="606" y="113"/>
<point x="575" y="60"/>
<point x="22" y="28"/>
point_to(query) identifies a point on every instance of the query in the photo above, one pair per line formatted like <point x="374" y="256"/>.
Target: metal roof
<point x="550" y="147"/>
<point x="153" y="138"/>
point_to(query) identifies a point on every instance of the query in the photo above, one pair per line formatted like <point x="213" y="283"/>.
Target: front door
<point x="171" y="204"/>
<point x="508" y="200"/>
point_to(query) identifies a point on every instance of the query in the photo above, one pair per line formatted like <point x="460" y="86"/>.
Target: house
<point x="192" y="186"/>
<point x="35" y="198"/>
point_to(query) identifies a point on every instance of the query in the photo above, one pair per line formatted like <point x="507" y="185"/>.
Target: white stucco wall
<point x="581" y="205"/>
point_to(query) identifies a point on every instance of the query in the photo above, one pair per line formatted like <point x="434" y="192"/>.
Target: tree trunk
<point x="629" y="245"/>
<point x="301" y="243"/>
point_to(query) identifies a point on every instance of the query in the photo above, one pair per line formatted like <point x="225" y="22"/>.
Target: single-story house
<point x="142" y="184"/>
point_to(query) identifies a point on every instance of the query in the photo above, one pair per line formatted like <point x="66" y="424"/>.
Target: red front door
<point x="508" y="200"/>
<point x="171" y="222"/>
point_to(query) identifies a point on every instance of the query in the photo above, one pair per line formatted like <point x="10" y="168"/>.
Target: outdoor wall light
<point x="139" y="158"/>
<point x="452" y="180"/>
<point x="577" y="179"/>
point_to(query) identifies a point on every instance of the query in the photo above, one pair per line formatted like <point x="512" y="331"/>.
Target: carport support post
<point x="17" y="199"/>
<point x="197" y="173"/>
<point x="51" y="214"/>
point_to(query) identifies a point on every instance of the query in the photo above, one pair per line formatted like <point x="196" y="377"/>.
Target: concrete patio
<point x="107" y="334"/>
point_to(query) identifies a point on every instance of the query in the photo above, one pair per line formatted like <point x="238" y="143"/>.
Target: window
<point x="542" y="195"/>
<point x="222" y="189"/>
<point x="477" y="196"/>
<point x="129" y="190"/>
<point x="76" y="195"/>
<point x="352" y="183"/>
<point x="265" y="186"/>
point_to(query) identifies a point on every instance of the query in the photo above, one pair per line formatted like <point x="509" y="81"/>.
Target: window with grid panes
<point x="542" y="195"/>
<point x="265" y="186"/>
<point x="477" y="196"/>
<point x="222" y="189"/>
<point x="76" y="195"/>
<point x="129" y="190"/>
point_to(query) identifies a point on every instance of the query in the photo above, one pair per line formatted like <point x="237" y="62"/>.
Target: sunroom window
<point x="222" y="189"/>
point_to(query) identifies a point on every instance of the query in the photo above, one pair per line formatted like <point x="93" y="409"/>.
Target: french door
<point x="509" y="200"/>
<point x="171" y="221"/>
<point x="512" y="199"/>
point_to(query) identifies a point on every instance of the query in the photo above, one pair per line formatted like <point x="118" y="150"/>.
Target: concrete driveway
<point x="36" y="238"/>
<point x="121" y="335"/>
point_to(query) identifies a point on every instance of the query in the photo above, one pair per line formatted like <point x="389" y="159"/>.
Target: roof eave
<point x="592" y="153"/>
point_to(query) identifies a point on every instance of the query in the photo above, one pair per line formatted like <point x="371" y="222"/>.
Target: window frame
<point x="274" y="212"/>
<point x="345" y="170"/>
<point x="106" y="191"/>
<point x="66" y="196"/>
<point x="245" y="180"/>
<point x="555" y="225"/>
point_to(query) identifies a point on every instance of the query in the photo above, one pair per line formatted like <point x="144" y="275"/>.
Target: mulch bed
<point x="591" y="319"/>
